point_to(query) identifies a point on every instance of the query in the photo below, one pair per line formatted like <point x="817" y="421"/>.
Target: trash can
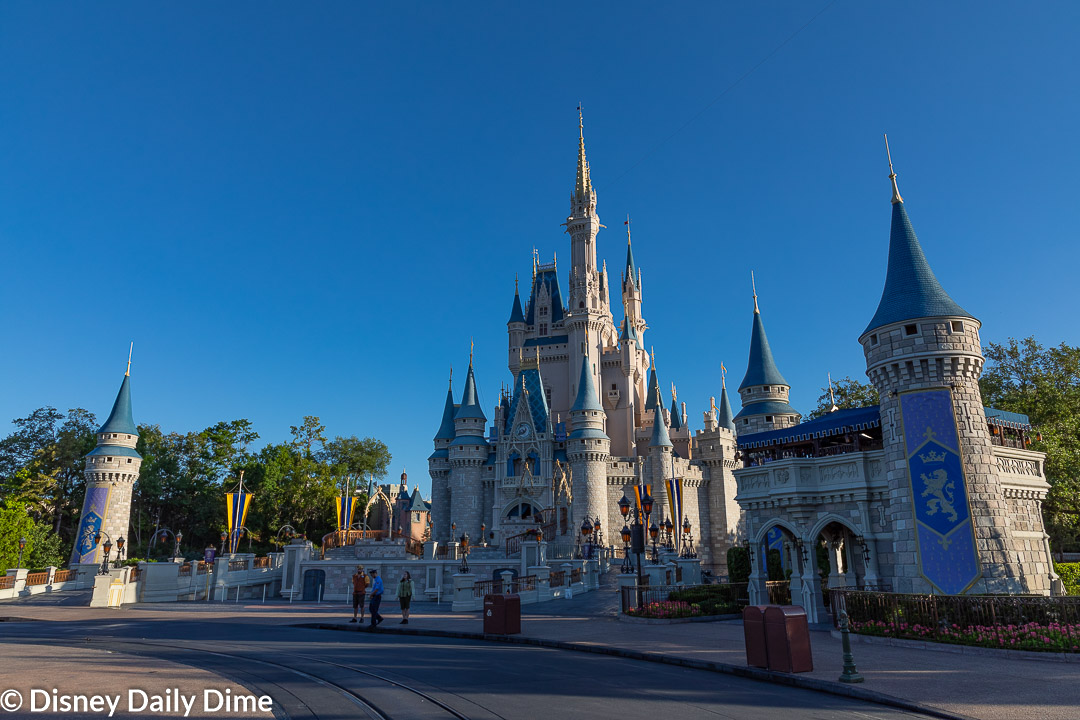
<point x="753" y="622"/>
<point x="502" y="614"/>
<point x="787" y="639"/>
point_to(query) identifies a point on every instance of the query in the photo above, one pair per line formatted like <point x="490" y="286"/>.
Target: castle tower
<point x="764" y="390"/>
<point x="588" y="449"/>
<point x="112" y="468"/>
<point x="467" y="453"/>
<point x="516" y="328"/>
<point x="715" y="449"/>
<point x="439" y="469"/>
<point x="631" y="292"/>
<point x="946" y="511"/>
<point x="588" y="319"/>
<point x="659" y="462"/>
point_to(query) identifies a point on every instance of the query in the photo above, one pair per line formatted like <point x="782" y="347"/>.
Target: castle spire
<point x="660" y="436"/>
<point x="896" y="199"/>
<point x="583" y="185"/>
<point x="446" y="428"/>
<point x="470" y="403"/>
<point x="832" y="400"/>
<point x="630" y="274"/>
<point x="127" y="372"/>
<point x="911" y="288"/>
<point x="516" y="313"/>
<point x="753" y="286"/>
<point x="676" y="415"/>
<point x="120" y="419"/>
<point x="760" y="367"/>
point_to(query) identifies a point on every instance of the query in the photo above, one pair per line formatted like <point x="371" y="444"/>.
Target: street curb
<point x="823" y="686"/>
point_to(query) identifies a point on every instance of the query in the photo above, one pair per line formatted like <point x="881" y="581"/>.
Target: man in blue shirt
<point x="376" y="597"/>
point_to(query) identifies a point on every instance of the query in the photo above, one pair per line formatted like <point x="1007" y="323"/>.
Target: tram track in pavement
<point x="380" y="698"/>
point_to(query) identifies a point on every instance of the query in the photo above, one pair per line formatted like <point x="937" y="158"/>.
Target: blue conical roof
<point x="760" y="367"/>
<point x="631" y="268"/>
<point x="676" y="415"/>
<point x="660" y="436"/>
<point x="120" y="419"/>
<point x="516" y="313"/>
<point x="587" y="398"/>
<point x="911" y="289"/>
<point x="470" y="405"/>
<point x="446" y="429"/>
<point x="724" y="415"/>
<point x="653" y="398"/>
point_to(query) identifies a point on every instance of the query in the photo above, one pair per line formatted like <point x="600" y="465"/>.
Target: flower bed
<point x="1050" y="637"/>
<point x="665" y="610"/>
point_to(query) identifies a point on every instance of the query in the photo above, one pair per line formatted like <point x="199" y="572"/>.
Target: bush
<point x="1050" y="637"/>
<point x="1070" y="575"/>
<point x="712" y="599"/>
<point x="665" y="610"/>
<point x="738" y="564"/>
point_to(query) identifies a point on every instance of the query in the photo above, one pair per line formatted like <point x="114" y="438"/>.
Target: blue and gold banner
<point x="943" y="527"/>
<point x="675" y="505"/>
<point x="346" y="510"/>
<point x="236" y="507"/>
<point x="95" y="507"/>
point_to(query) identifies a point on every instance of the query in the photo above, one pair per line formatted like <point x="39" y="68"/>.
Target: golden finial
<point x="515" y="283"/>
<point x="674" y="394"/>
<point x="555" y="256"/>
<point x="753" y="284"/>
<point x="892" y="175"/>
<point x="712" y="403"/>
<point x="471" y="345"/>
<point x="127" y="373"/>
<point x="627" y="224"/>
<point x="451" y="377"/>
<point x="832" y="400"/>
<point x="652" y="352"/>
<point x="723" y="376"/>
<point x="580" y="122"/>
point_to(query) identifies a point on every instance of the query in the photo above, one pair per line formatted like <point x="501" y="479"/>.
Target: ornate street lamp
<point x="586" y="533"/>
<point x="598" y="533"/>
<point x="669" y="540"/>
<point x="688" y="548"/>
<point x="119" y="551"/>
<point x="627" y="566"/>
<point x="22" y="546"/>
<point x="224" y="537"/>
<point x="654" y="532"/>
<point x="107" y="547"/>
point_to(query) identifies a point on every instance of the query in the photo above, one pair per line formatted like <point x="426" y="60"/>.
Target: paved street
<point x="315" y="673"/>
<point x="517" y="680"/>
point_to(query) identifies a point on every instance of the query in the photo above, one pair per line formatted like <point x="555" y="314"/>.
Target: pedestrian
<point x="376" y="598"/>
<point x="359" y="589"/>
<point x="404" y="594"/>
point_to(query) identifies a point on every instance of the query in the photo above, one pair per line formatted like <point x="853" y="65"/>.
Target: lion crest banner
<point x="944" y="532"/>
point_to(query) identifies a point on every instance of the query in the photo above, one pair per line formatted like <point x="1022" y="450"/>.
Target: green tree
<point x="42" y="544"/>
<point x="848" y="393"/>
<point x="1044" y="384"/>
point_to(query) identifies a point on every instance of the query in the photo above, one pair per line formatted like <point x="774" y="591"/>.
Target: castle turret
<point x="516" y="328"/>
<point x="112" y="468"/>
<point x="588" y="449"/>
<point x="946" y="507"/>
<point x="764" y="390"/>
<point x="659" y="462"/>
<point x="468" y="452"/>
<point x="439" y="468"/>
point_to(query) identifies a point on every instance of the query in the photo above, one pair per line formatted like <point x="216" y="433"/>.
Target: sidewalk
<point x="977" y="686"/>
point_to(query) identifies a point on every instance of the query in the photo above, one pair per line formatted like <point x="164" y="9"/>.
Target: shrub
<point x="1048" y="637"/>
<point x="1070" y="575"/>
<point x="665" y="610"/>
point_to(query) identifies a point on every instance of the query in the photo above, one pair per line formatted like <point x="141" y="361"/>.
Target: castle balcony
<point x="840" y="432"/>
<point x="813" y="480"/>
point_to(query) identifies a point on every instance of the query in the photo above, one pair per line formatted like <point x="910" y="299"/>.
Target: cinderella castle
<point x="928" y="492"/>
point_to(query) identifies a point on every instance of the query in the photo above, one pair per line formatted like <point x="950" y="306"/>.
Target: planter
<point x="623" y="617"/>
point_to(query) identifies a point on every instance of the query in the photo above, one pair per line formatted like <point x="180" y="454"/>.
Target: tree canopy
<point x="181" y="483"/>
<point x="847" y="393"/>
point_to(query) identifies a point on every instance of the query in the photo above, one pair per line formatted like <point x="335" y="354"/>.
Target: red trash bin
<point x="787" y="639"/>
<point x="753" y="622"/>
<point x="502" y="614"/>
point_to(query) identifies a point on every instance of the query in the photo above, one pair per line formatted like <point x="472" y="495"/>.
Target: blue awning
<point x="1004" y="418"/>
<point x="840" y="422"/>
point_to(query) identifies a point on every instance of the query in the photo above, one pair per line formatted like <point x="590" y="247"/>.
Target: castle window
<point x="911" y="329"/>
<point x="958" y="326"/>
<point x="873" y="339"/>
<point x="129" y="461"/>
<point x="108" y="459"/>
<point x="581" y="305"/>
<point x="543" y="328"/>
<point x="765" y="389"/>
<point x="746" y="421"/>
<point x="768" y="418"/>
<point x="614" y="386"/>
<point x="543" y="311"/>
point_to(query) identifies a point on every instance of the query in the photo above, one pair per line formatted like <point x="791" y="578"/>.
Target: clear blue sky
<point x="309" y="208"/>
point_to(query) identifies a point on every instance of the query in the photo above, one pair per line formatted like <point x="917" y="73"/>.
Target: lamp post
<point x="119" y="551"/>
<point x="637" y="532"/>
<point x="288" y="530"/>
<point x="586" y="532"/>
<point x="224" y="537"/>
<point x="669" y="541"/>
<point x="627" y="566"/>
<point x="22" y="546"/>
<point x="107" y="547"/>
<point x="654" y="533"/>
<point x="688" y="548"/>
